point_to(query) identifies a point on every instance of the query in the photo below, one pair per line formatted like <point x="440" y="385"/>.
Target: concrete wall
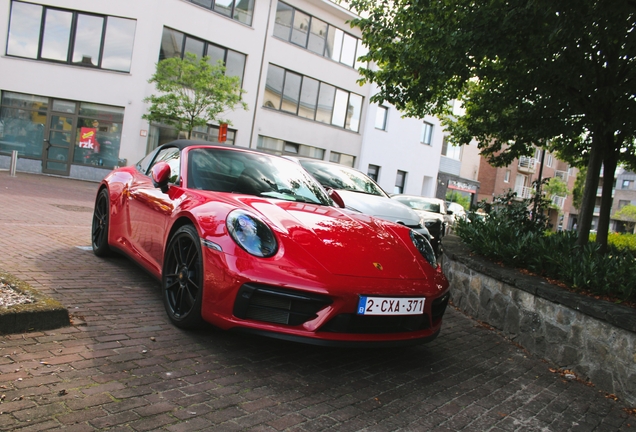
<point x="593" y="338"/>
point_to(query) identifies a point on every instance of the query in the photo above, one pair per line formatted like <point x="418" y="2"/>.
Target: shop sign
<point x="462" y="186"/>
<point x="87" y="138"/>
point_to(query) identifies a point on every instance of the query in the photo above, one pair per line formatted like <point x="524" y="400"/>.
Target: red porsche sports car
<point x="249" y="241"/>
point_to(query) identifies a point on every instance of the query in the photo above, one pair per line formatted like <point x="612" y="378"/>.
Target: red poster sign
<point x="87" y="138"/>
<point x="222" y="132"/>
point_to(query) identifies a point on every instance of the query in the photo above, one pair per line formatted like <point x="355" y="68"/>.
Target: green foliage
<point x="627" y="213"/>
<point x="556" y="186"/>
<point x="579" y="186"/>
<point x="462" y="200"/>
<point x="553" y="74"/>
<point x="621" y="241"/>
<point x="515" y="66"/>
<point x="507" y="235"/>
<point x="193" y="93"/>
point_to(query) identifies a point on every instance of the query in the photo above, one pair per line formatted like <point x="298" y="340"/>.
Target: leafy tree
<point x="556" y="186"/>
<point x="554" y="73"/>
<point x="193" y="93"/>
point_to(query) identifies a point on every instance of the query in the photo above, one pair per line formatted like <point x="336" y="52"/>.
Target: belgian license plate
<point x="390" y="306"/>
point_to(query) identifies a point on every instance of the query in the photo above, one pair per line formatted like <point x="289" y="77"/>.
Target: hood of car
<point x="337" y="240"/>
<point x="380" y="207"/>
<point x="347" y="243"/>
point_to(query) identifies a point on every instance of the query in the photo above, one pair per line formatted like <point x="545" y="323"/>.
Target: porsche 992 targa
<point x="249" y="241"/>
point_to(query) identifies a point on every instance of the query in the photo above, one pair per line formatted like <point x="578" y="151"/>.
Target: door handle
<point x="48" y="143"/>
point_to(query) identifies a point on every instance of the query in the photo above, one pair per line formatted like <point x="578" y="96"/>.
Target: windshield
<point x="342" y="178"/>
<point x="226" y="170"/>
<point x="420" y="204"/>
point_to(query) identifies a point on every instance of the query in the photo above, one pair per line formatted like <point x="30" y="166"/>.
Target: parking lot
<point x="123" y="366"/>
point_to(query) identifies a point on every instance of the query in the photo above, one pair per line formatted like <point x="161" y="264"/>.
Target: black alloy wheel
<point x="99" y="231"/>
<point x="183" y="278"/>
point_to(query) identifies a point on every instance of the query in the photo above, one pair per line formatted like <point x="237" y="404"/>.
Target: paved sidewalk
<point x="122" y="365"/>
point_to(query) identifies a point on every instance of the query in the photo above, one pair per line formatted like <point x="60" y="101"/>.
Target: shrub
<point x="510" y="235"/>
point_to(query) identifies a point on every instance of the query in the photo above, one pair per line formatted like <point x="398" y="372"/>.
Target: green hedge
<point x="509" y="235"/>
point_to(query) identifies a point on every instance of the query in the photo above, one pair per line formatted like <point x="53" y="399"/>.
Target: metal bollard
<point x="14" y="161"/>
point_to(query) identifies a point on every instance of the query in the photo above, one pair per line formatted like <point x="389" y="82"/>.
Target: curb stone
<point x="44" y="313"/>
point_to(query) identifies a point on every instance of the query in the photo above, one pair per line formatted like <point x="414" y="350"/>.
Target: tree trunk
<point x="589" y="192"/>
<point x="609" y="168"/>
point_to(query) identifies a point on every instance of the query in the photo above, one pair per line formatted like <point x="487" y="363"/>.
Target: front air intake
<point x="277" y="305"/>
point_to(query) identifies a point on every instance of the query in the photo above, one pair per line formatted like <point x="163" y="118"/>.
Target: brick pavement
<point x="122" y="366"/>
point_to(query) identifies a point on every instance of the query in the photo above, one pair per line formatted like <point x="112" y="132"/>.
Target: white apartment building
<point x="71" y="67"/>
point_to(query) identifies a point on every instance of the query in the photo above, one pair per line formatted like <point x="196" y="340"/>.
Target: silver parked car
<point x="360" y="193"/>
<point x="436" y="217"/>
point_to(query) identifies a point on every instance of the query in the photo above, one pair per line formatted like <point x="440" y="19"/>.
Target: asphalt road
<point x="122" y="365"/>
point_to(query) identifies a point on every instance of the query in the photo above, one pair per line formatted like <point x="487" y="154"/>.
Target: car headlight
<point x="251" y="234"/>
<point x="424" y="246"/>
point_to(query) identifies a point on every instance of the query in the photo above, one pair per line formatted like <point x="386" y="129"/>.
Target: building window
<point x="374" y="172"/>
<point x="71" y="37"/>
<point x="175" y="44"/>
<point x="280" y="147"/>
<point x="380" y="117"/>
<point x="341" y="158"/>
<point x="400" y="181"/>
<point x="623" y="203"/>
<point x="240" y="11"/>
<point x="450" y="150"/>
<point x="549" y="160"/>
<point x="627" y="184"/>
<point x="312" y="99"/>
<point x="317" y="36"/>
<point x="427" y="133"/>
<point x="507" y="177"/>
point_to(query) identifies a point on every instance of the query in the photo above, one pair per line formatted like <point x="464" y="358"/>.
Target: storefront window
<point x="22" y="122"/>
<point x="58" y="130"/>
<point x="97" y="142"/>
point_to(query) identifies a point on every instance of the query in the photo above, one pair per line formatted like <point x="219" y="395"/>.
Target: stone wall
<point x="595" y="339"/>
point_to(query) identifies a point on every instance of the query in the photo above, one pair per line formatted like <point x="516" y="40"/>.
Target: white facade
<point x="396" y="148"/>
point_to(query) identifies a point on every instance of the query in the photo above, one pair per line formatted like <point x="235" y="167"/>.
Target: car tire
<point x="182" y="281"/>
<point x="101" y="219"/>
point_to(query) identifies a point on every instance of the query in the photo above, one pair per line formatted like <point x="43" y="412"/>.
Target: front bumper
<point x="321" y="309"/>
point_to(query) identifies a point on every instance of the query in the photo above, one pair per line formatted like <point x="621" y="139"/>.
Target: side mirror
<point x="335" y="197"/>
<point x="160" y="174"/>
<point x="449" y="212"/>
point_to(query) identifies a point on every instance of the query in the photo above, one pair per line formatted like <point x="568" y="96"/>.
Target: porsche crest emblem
<point x="378" y="266"/>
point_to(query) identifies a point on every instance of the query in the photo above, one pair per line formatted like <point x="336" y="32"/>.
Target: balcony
<point x="527" y="164"/>
<point x="524" y="192"/>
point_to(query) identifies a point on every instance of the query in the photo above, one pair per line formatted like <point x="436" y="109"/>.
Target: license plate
<point x="390" y="306"/>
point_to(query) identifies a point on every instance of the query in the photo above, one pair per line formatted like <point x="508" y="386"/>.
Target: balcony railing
<point x="527" y="164"/>
<point x="524" y="192"/>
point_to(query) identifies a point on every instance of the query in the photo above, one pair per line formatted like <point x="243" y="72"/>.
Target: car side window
<point x="144" y="164"/>
<point x="172" y="156"/>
